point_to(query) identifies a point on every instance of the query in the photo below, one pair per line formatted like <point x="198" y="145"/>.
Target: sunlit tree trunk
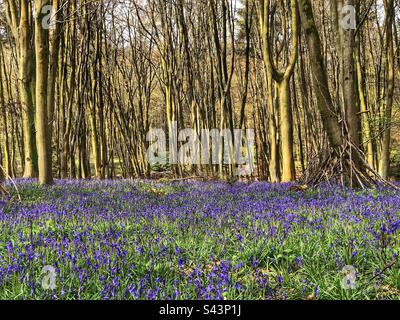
<point x="42" y="123"/>
<point x="283" y="80"/>
<point x="5" y="145"/>
<point x="19" y="18"/>
<point x="272" y="128"/>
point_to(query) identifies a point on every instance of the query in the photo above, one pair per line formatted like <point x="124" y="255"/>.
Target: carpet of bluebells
<point x="195" y="240"/>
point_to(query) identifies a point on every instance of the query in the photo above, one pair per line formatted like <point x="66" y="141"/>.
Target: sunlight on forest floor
<point x="195" y="240"/>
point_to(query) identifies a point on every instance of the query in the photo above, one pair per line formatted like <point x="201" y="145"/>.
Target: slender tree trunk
<point x="283" y="80"/>
<point x="6" y="161"/>
<point x="53" y="67"/>
<point x="286" y="129"/>
<point x="385" y="155"/>
<point x="348" y="74"/>
<point x="365" y="112"/>
<point x="25" y="82"/>
<point x="42" y="64"/>
<point x="272" y="128"/>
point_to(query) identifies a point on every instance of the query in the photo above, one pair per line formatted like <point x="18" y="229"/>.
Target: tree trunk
<point x="365" y="113"/>
<point x="288" y="169"/>
<point x="25" y="77"/>
<point x="42" y="63"/>
<point x="283" y="80"/>
<point x="385" y="155"/>
<point x="54" y="42"/>
<point x="319" y="77"/>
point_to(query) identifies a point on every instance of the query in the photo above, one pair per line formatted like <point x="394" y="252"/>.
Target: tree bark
<point x="21" y="28"/>
<point x="42" y="64"/>
<point x="319" y="77"/>
<point x="385" y="154"/>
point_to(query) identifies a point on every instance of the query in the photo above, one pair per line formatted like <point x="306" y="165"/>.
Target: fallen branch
<point x="3" y="189"/>
<point x="385" y="268"/>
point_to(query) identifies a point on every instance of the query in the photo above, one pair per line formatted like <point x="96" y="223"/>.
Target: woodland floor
<point x="198" y="240"/>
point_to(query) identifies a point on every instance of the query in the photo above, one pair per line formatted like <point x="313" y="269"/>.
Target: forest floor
<point x="198" y="240"/>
